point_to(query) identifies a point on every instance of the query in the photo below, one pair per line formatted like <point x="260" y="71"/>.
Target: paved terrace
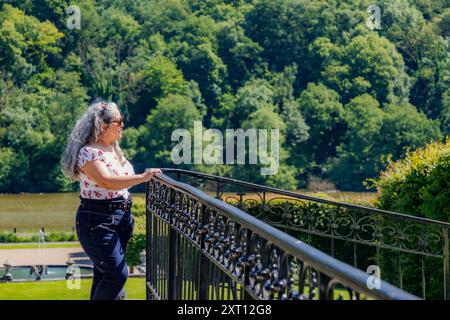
<point x="47" y="256"/>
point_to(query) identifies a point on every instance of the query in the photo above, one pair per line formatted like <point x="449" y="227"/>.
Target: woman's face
<point x="113" y="130"/>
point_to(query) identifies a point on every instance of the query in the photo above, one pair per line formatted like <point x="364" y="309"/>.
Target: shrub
<point x="419" y="184"/>
<point x="6" y="237"/>
<point x="55" y="236"/>
<point x="61" y="236"/>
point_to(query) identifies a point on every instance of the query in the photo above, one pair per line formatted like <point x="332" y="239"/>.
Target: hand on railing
<point x="149" y="173"/>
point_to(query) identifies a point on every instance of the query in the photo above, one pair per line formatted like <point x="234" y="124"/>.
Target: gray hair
<point x="88" y="130"/>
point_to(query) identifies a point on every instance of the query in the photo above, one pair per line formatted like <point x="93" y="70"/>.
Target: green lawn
<point x="29" y="212"/>
<point x="57" y="290"/>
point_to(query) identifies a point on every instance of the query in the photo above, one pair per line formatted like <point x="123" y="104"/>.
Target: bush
<point x="57" y="236"/>
<point x="61" y="236"/>
<point x="6" y="237"/>
<point x="419" y="184"/>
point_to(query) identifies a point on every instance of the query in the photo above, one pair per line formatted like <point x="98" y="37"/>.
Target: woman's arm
<point x="97" y="171"/>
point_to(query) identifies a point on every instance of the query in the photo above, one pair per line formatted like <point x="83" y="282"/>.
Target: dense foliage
<point x="55" y="236"/>
<point x="418" y="184"/>
<point x="344" y="97"/>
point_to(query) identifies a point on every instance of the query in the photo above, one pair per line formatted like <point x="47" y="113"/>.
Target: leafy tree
<point x="234" y="109"/>
<point x="324" y="115"/>
<point x="374" y="135"/>
<point x="346" y="96"/>
<point x="172" y="112"/>
<point x="403" y="24"/>
<point x="405" y="129"/>
<point x="239" y="53"/>
<point x="424" y="52"/>
<point x="278" y="27"/>
<point x="430" y="8"/>
<point x="51" y="10"/>
<point x="25" y="43"/>
<point x="355" y="159"/>
<point x="446" y="112"/>
<point x="266" y="118"/>
<point x="441" y="23"/>
<point x="432" y="79"/>
<point x="369" y="64"/>
<point x="297" y="131"/>
<point x="158" y="78"/>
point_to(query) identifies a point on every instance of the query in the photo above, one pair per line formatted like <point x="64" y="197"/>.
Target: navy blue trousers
<point x="103" y="231"/>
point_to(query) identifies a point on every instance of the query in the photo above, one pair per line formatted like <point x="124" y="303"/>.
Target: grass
<point x="57" y="290"/>
<point x="74" y="244"/>
<point x="29" y="212"/>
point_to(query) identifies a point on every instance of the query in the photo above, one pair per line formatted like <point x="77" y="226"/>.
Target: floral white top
<point x="88" y="188"/>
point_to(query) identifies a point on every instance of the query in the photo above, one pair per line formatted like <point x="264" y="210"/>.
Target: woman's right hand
<point x="149" y="173"/>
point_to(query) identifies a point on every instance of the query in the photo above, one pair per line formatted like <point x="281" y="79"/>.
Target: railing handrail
<point x="310" y="198"/>
<point x="346" y="274"/>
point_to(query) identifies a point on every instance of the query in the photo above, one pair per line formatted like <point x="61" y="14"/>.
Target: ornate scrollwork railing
<point x="359" y="235"/>
<point x="199" y="247"/>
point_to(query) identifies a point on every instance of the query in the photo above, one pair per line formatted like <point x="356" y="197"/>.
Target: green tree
<point x="404" y="128"/>
<point x="278" y="27"/>
<point x="369" y="64"/>
<point x="355" y="159"/>
<point x="374" y="135"/>
<point x="234" y="109"/>
<point x="25" y="43"/>
<point x="240" y="54"/>
<point x="158" y="78"/>
<point x="324" y="115"/>
<point x="266" y="118"/>
<point x="172" y="112"/>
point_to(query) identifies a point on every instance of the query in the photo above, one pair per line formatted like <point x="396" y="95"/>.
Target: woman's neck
<point x="108" y="145"/>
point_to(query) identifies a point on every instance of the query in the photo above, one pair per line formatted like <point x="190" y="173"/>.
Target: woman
<point x="104" y="222"/>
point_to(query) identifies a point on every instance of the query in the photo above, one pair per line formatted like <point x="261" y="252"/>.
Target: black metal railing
<point x="199" y="247"/>
<point x="412" y="252"/>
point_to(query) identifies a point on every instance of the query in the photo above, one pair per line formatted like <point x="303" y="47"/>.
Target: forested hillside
<point x="344" y="97"/>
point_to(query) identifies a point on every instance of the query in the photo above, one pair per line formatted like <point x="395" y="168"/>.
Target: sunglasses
<point x="120" y="122"/>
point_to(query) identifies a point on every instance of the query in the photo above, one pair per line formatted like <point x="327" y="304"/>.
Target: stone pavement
<point x="47" y="256"/>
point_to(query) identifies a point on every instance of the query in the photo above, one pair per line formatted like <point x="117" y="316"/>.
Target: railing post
<point x="218" y="190"/>
<point x="148" y="237"/>
<point x="446" y="265"/>
<point x="204" y="267"/>
<point x="245" y="295"/>
<point x="171" y="295"/>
